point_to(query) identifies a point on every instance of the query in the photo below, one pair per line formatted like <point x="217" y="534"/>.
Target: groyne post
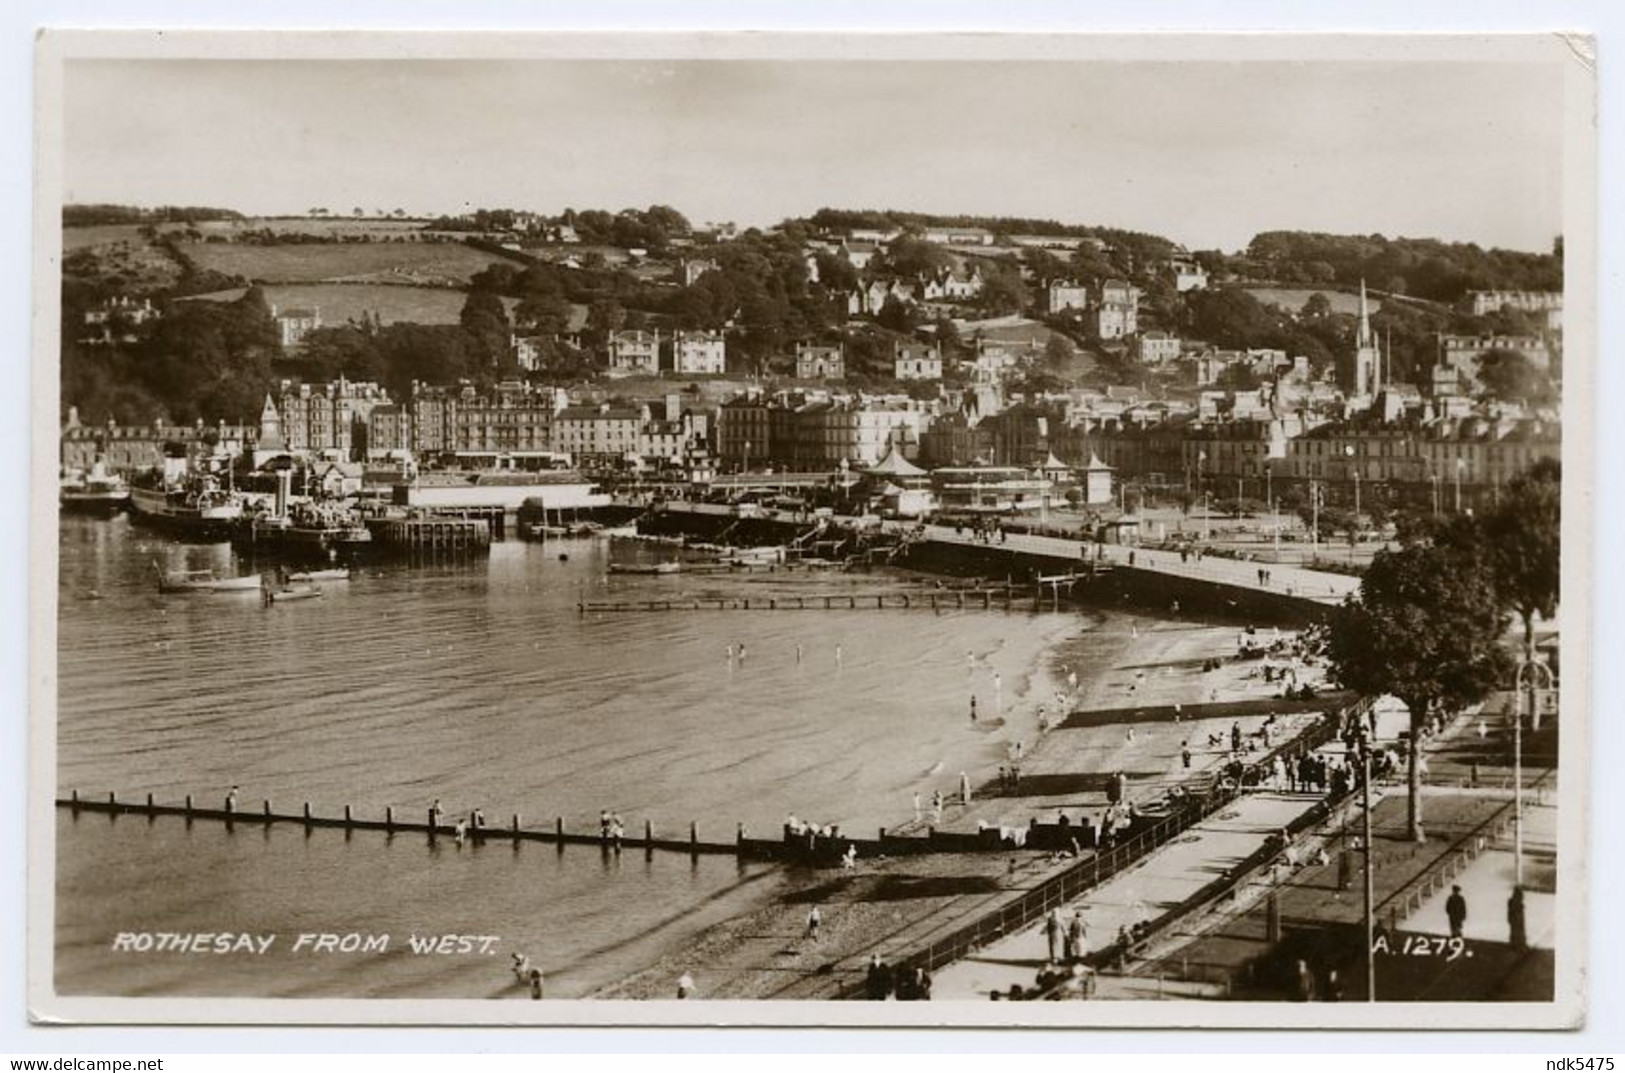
<point x="188" y="805"/>
<point x="693" y="838"/>
<point x="389" y="817"/>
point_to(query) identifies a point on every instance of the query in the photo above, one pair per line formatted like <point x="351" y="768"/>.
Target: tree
<point x="1425" y="627"/>
<point x="898" y="315"/>
<point x="1524" y="535"/>
<point x="1509" y="375"/>
<point x="485" y="319"/>
<point x="1058" y="353"/>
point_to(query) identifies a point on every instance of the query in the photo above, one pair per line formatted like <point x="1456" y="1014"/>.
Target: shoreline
<point x="764" y="951"/>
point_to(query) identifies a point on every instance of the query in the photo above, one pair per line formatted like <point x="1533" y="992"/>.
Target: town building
<point x="1456" y="372"/>
<point x="515" y="418"/>
<point x="597" y="436"/>
<point x="317" y="418"/>
<point x="689" y="271"/>
<point x="699" y="354"/>
<point x="815" y="362"/>
<point x="1117" y="314"/>
<point x="1188" y="275"/>
<point x="916" y="361"/>
<point x="1157" y="348"/>
<point x="743" y="436"/>
<point x="1061" y="295"/>
<point x="127" y="449"/>
<point x="1548" y="304"/>
<point x="293" y="324"/>
<point x="115" y="319"/>
<point x="634" y="353"/>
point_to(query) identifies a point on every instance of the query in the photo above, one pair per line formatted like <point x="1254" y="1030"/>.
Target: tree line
<point x="1428" y="625"/>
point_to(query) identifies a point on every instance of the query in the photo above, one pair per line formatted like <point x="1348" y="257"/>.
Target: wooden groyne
<point x="393" y="822"/>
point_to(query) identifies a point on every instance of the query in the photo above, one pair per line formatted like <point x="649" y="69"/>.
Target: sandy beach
<point x="891" y="906"/>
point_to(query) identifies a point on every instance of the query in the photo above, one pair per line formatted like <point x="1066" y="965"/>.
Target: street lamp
<point x="1525" y="665"/>
<point x="1370" y="877"/>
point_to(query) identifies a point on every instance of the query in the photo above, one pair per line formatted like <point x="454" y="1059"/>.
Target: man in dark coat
<point x="1455" y="907"/>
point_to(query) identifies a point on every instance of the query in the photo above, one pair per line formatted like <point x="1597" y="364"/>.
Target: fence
<point x="1087" y="875"/>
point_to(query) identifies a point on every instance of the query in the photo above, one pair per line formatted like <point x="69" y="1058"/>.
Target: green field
<point x="426" y="264"/>
<point x="333" y="227"/>
<point x="1293" y="298"/>
<point x="342" y="302"/>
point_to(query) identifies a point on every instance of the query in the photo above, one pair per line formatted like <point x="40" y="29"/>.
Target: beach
<point x="891" y="906"/>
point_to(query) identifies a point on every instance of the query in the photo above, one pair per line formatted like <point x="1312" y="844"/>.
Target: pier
<point x="985" y="598"/>
<point x="432" y="534"/>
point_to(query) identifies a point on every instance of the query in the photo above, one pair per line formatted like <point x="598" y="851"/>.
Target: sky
<point x="1206" y="153"/>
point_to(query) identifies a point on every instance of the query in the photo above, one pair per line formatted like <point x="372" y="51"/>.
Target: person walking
<point x="936" y="807"/>
<point x="1185" y="754"/>
<point x="1455" y="908"/>
<point x="685" y="986"/>
<point x="1054" y="933"/>
<point x="815" y="920"/>
<point x="1077" y="937"/>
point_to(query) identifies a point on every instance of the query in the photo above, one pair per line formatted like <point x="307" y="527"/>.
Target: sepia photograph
<point x="683" y="529"/>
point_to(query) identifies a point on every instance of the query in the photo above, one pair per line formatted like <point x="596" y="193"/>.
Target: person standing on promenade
<point x="1077" y="937"/>
<point x="1455" y="908"/>
<point x="1185" y="753"/>
<point x="537" y="984"/>
<point x="1516" y="921"/>
<point x="936" y="807"/>
<point x="1054" y="933"/>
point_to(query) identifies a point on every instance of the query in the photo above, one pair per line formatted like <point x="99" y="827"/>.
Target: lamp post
<point x="1461" y="464"/>
<point x="1525" y="665"/>
<point x="1370" y="877"/>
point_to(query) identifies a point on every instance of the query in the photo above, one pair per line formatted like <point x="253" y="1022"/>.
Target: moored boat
<point x="645" y="568"/>
<point x="188" y="581"/>
<point x="336" y="574"/>
<point x="291" y="592"/>
<point x="96" y="492"/>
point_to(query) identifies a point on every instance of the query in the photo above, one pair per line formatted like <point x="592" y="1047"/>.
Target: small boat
<point x="336" y="574"/>
<point x="179" y="581"/>
<point x="645" y="568"/>
<point x="619" y="531"/>
<point x="292" y="592"/>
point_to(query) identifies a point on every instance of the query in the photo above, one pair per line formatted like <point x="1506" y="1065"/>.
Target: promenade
<point x="1165" y="879"/>
<point x="1299" y="582"/>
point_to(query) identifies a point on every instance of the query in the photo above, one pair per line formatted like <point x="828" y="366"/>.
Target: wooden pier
<point x="432" y="534"/>
<point x="1003" y="597"/>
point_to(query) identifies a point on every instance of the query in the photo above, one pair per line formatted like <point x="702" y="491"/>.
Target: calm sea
<point x="481" y="685"/>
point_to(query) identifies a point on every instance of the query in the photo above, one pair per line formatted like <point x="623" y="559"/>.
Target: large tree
<point x="1425" y="627"/>
<point x="1524" y="535"/>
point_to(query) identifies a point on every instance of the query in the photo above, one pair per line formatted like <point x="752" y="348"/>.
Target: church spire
<point x="1364" y="338"/>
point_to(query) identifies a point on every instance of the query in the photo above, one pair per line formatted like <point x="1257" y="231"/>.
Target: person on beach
<point x="231" y="800"/>
<point x="434" y="815"/>
<point x="741" y="653"/>
<point x="964" y="788"/>
<point x="1517" y="923"/>
<point x="685" y="986"/>
<point x="837" y="655"/>
<point x="1235" y="737"/>
<point x="537" y="984"/>
<point x="1054" y="933"/>
<point x="815" y="920"/>
<point x="936" y="806"/>
<point x="973" y="708"/>
<point x="521" y="967"/>
<point x="798" y="653"/>
<point x="460" y="831"/>
<point x="1185" y="754"/>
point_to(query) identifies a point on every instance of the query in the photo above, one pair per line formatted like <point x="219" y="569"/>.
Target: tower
<point x="1367" y="379"/>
